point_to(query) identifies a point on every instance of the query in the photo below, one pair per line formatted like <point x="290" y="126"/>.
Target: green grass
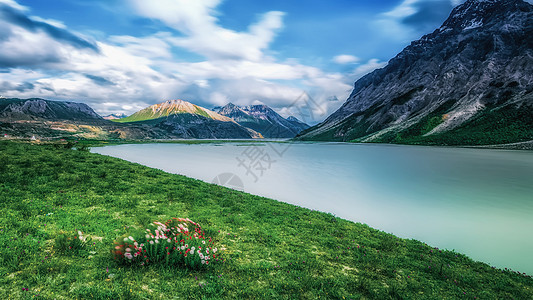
<point x="491" y="126"/>
<point x="272" y="249"/>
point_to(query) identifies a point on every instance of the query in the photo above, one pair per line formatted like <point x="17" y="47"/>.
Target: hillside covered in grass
<point x="268" y="249"/>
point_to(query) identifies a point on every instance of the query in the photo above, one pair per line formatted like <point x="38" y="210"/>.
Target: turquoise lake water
<point x="475" y="201"/>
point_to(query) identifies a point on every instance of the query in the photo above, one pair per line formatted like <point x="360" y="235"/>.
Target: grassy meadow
<point x="268" y="249"/>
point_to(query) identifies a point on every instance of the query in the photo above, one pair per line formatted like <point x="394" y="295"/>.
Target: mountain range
<point x="35" y="108"/>
<point x="263" y="119"/>
<point x="469" y="82"/>
<point x="171" y="119"/>
<point x="186" y="120"/>
<point x="49" y="119"/>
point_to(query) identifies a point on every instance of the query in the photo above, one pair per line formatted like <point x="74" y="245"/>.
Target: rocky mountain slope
<point x="34" y="109"/>
<point x="186" y="120"/>
<point x="46" y="119"/>
<point x="264" y="120"/>
<point x="172" y="107"/>
<point x="469" y="82"/>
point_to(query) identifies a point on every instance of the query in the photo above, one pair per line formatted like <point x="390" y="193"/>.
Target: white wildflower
<point x="203" y="262"/>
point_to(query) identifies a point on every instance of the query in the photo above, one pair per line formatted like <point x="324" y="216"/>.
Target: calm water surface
<point x="475" y="201"/>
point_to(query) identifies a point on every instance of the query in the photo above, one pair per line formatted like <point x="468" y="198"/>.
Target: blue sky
<point x="122" y="55"/>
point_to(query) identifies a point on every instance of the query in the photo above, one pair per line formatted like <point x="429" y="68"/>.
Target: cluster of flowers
<point x="177" y="242"/>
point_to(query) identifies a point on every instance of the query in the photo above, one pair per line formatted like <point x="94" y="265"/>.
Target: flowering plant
<point x="71" y="242"/>
<point x="176" y="242"/>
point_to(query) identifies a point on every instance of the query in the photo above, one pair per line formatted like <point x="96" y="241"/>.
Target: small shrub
<point x="177" y="242"/>
<point x="82" y="147"/>
<point x="70" y="243"/>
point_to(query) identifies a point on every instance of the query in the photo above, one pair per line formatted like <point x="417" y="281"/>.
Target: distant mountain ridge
<point x="35" y="108"/>
<point x="47" y="119"/>
<point x="172" y="107"/>
<point x="469" y="82"/>
<point x="186" y="120"/>
<point x="114" y="116"/>
<point x="263" y="119"/>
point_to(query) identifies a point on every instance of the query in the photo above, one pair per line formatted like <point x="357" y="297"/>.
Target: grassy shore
<point x="271" y="249"/>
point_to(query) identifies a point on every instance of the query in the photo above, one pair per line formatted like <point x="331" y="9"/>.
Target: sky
<point x="120" y="56"/>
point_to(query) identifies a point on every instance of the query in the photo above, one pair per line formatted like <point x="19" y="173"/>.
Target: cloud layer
<point x="123" y="73"/>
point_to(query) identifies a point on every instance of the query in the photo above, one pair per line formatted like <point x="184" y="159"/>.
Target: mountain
<point x="264" y="120"/>
<point x="48" y="120"/>
<point x="172" y="107"/>
<point x="186" y="120"/>
<point x="470" y="82"/>
<point x="40" y="109"/>
<point x="114" y="116"/>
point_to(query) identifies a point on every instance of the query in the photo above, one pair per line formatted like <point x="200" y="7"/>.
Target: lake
<point x="475" y="201"/>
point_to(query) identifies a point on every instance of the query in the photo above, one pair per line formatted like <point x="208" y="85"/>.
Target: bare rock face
<point x="477" y="67"/>
<point x="264" y="120"/>
<point x="46" y="109"/>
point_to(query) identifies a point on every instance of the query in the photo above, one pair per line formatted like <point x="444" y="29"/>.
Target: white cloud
<point x="345" y="59"/>
<point x="14" y="5"/>
<point x="155" y="46"/>
<point x="128" y="73"/>
<point x="368" y="67"/>
<point x="405" y="9"/>
<point x="412" y="18"/>
<point x="197" y="21"/>
<point x="52" y="22"/>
